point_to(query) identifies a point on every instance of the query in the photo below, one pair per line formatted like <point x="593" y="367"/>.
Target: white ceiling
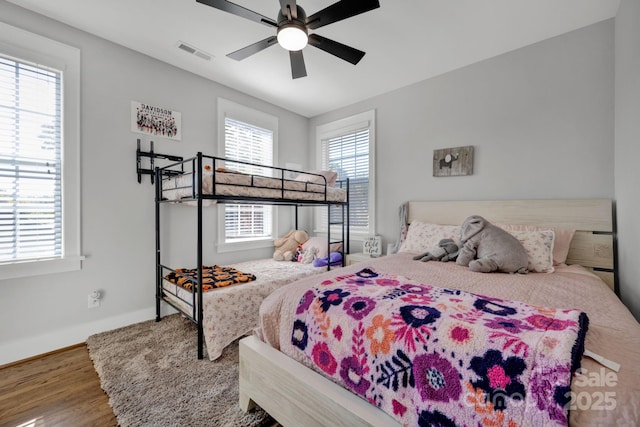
<point x="406" y="41"/>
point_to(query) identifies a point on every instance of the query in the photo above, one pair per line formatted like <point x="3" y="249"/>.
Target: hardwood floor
<point x="58" y="389"/>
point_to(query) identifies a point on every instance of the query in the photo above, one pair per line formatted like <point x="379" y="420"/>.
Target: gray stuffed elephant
<point x="447" y="250"/>
<point x="487" y="248"/>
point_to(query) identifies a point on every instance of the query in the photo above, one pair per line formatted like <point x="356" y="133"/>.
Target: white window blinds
<point x="348" y="154"/>
<point x="248" y="143"/>
<point x="30" y="162"/>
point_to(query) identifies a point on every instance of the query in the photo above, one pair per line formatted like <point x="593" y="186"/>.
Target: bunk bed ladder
<point x="344" y="227"/>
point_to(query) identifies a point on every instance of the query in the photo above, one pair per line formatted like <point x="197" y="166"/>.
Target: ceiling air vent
<point x="194" y="51"/>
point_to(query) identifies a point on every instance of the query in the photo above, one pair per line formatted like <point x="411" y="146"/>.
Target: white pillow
<point x="424" y="236"/>
<point x="312" y="177"/>
<point x="561" y="240"/>
<point x="539" y="247"/>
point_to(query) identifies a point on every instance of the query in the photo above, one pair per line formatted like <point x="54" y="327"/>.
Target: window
<point x="347" y="146"/>
<point x="249" y="136"/>
<point x="251" y="144"/>
<point x="30" y="162"/>
<point x="39" y="155"/>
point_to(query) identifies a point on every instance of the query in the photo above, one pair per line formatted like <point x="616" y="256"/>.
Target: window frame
<point x="337" y="128"/>
<point x="257" y="118"/>
<point x="27" y="47"/>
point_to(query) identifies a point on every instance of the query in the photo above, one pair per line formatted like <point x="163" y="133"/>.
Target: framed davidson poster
<point x="156" y="121"/>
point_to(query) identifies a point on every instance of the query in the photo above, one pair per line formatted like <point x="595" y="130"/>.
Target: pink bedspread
<point x="598" y="396"/>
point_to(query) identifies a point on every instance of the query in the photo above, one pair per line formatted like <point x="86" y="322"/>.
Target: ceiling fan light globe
<point x="292" y="37"/>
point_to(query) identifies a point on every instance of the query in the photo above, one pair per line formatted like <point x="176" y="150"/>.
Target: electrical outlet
<point x="93" y="302"/>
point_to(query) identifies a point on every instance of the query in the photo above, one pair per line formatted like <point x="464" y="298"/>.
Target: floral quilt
<point x="430" y="356"/>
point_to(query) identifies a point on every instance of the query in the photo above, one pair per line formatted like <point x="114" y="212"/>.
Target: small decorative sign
<point x="156" y="121"/>
<point x="453" y="161"/>
<point x="372" y="246"/>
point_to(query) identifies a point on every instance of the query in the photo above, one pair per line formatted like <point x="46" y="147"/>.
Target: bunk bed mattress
<point x="232" y="311"/>
<point x="234" y="184"/>
<point x="612" y="333"/>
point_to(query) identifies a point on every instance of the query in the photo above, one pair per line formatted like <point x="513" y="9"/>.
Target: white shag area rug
<point x="152" y="375"/>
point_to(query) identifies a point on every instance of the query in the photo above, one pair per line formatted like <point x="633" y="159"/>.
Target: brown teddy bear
<point x="287" y="244"/>
<point x="486" y="248"/>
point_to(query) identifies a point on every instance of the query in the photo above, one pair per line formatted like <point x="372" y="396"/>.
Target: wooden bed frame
<point x="593" y="245"/>
<point x="297" y="396"/>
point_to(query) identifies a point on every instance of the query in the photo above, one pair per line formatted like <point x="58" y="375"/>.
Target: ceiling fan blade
<point x="340" y="50"/>
<point x="246" y="52"/>
<point x="338" y="11"/>
<point x="237" y="10"/>
<point x="298" y="68"/>
<point x="289" y="5"/>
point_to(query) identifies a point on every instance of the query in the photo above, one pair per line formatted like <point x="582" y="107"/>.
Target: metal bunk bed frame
<point x="198" y="196"/>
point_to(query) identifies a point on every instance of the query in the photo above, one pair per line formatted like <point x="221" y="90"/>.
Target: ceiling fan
<point x="293" y="27"/>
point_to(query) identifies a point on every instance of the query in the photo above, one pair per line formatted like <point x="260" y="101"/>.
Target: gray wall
<point x="627" y="131"/>
<point x="42" y="313"/>
<point x="540" y="119"/>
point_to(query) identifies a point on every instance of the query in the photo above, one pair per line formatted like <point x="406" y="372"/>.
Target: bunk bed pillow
<point x="422" y="236"/>
<point x="313" y="178"/>
<point x="320" y="243"/>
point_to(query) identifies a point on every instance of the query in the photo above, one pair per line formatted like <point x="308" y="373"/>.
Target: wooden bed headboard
<point x="593" y="245"/>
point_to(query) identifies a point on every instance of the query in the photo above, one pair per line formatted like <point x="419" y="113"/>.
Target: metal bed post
<point x="328" y="232"/>
<point x="199" y="256"/>
<point x="344" y="260"/>
<point x="158" y="260"/>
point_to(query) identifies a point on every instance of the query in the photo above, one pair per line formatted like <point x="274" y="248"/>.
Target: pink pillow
<point x="561" y="244"/>
<point x="320" y="243"/>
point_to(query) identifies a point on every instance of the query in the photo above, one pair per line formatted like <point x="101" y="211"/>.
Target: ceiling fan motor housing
<point x="294" y="24"/>
<point x="299" y="18"/>
<point x="298" y="22"/>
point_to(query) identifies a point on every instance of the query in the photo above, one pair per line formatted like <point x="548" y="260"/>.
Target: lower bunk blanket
<point x="231" y="312"/>
<point x="434" y="356"/>
<point x="212" y="277"/>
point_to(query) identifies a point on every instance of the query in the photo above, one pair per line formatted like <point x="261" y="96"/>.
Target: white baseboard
<point x="32" y="346"/>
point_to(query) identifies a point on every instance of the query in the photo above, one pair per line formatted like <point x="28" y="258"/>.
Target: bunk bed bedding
<point x="612" y="333"/>
<point x="236" y="184"/>
<point x="213" y="277"/>
<point x="231" y="312"/>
